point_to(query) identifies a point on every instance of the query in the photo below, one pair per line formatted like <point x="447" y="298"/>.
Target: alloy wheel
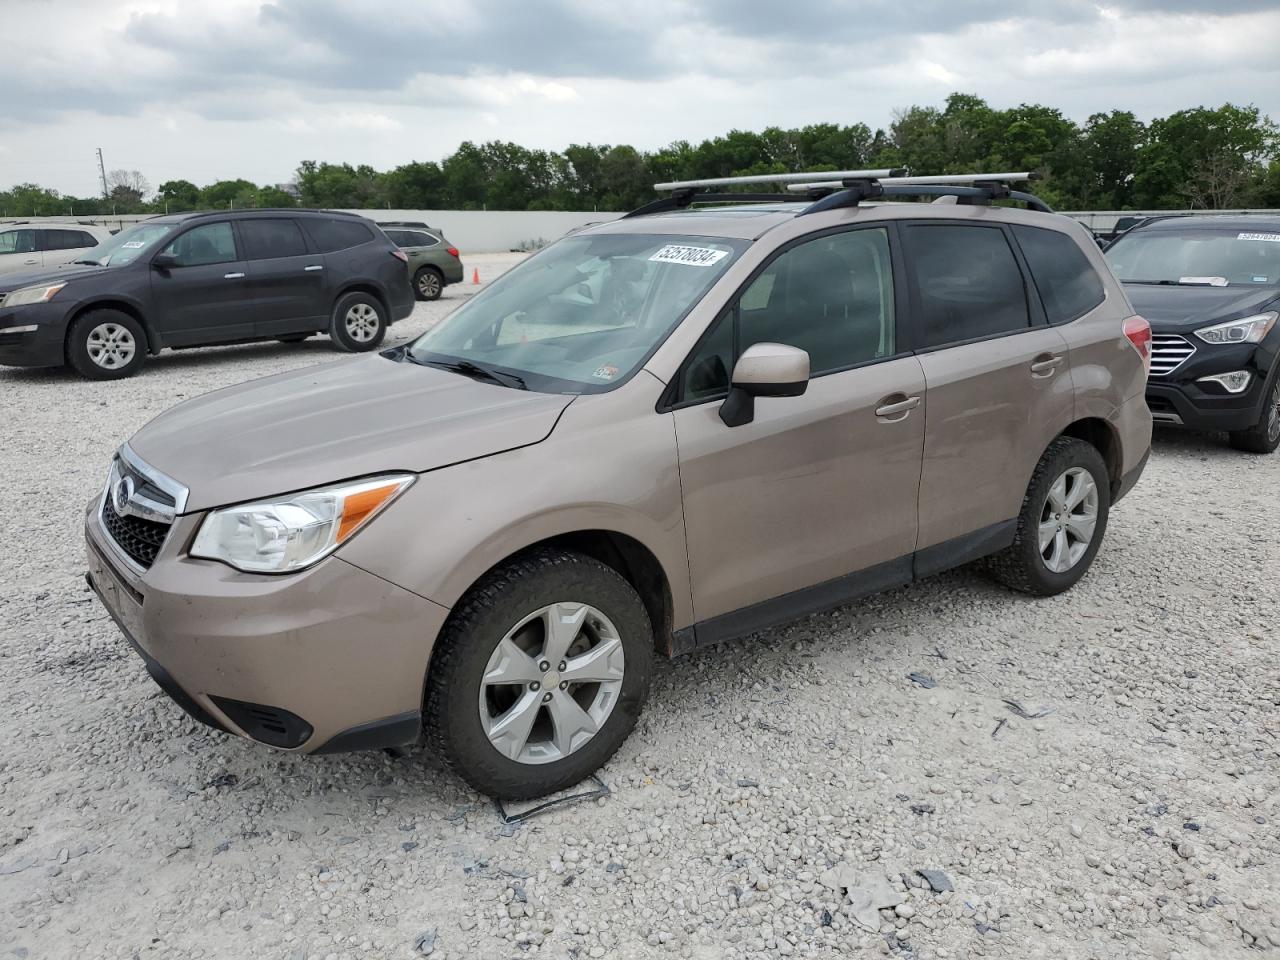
<point x="362" y="322"/>
<point x="1068" y="519"/>
<point x="1273" y="416"/>
<point x="111" y="346"/>
<point x="428" y="284"/>
<point x="552" y="683"/>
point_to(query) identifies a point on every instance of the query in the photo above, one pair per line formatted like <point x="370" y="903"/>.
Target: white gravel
<point x="1138" y="818"/>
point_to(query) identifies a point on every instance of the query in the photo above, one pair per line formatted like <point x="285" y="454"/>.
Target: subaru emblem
<point x="121" y="494"/>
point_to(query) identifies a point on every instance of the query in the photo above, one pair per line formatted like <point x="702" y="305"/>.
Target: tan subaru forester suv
<point x="682" y="426"/>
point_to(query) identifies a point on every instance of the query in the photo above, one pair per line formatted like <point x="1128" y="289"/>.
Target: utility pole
<point x="102" y="172"/>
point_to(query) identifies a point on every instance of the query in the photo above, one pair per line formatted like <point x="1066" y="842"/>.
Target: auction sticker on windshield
<point x="689" y="256"/>
<point x="1268" y="237"/>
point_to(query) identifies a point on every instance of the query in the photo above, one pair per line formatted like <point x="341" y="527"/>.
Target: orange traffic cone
<point x="475" y="276"/>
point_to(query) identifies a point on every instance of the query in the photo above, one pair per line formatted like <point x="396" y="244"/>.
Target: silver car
<point x="26" y="246"/>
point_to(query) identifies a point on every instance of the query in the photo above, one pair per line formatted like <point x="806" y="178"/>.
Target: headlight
<point x="41" y="294"/>
<point x="1245" y="330"/>
<point x="289" y="533"/>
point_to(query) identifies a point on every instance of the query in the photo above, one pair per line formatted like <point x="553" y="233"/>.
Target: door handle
<point x="233" y="276"/>
<point x="25" y="262"/>
<point x="314" y="266"/>
<point x="894" y="411"/>
<point x="1045" y="365"/>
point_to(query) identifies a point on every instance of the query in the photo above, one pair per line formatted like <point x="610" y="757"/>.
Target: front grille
<point x="1168" y="352"/>
<point x="140" y="539"/>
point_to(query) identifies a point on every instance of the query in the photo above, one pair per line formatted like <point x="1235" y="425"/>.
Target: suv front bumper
<point x="328" y="659"/>
<point x="32" y="335"/>
<point x="1202" y="407"/>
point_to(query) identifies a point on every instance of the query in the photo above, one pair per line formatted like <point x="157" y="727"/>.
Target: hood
<point x="1182" y="307"/>
<point x="337" y="421"/>
<point x="30" y="278"/>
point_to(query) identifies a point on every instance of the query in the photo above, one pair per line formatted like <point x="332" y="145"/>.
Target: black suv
<point x="196" y="279"/>
<point x="1210" y="287"/>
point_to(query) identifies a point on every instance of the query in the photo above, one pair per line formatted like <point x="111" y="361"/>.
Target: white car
<point x="26" y="246"/>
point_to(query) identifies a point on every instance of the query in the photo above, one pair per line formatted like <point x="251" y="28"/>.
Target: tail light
<point x="452" y="251"/>
<point x="400" y="255"/>
<point x="1138" y="331"/>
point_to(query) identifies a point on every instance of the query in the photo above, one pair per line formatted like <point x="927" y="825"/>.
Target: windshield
<point x="583" y="314"/>
<point x="1214" y="257"/>
<point x="127" y="245"/>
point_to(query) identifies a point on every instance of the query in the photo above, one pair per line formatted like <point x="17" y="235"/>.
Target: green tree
<point x="1203" y="157"/>
<point x="177" y="196"/>
<point x="1111" y="143"/>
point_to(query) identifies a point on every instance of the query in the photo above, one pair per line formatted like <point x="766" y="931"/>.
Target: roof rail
<point x="836" y="176"/>
<point x="947" y="179"/>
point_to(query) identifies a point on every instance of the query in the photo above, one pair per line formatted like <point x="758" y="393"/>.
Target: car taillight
<point x="1138" y="331"/>
<point x="400" y="255"/>
<point x="452" y="251"/>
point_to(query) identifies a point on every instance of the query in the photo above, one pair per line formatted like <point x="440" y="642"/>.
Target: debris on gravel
<point x="788" y="795"/>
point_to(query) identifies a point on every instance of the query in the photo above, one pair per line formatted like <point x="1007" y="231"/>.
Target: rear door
<point x="286" y="281"/>
<point x="203" y="297"/>
<point x="62" y="245"/>
<point x="816" y="486"/>
<point x="20" y="250"/>
<point x="997" y="376"/>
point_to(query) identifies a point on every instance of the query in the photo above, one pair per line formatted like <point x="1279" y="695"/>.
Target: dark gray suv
<point x="196" y="279"/>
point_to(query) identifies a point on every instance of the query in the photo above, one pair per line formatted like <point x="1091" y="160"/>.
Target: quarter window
<point x="270" y="239"/>
<point x="1068" y="284"/>
<point x="832" y="297"/>
<point x="207" y="243"/>
<point x="330" y="235"/>
<point x="67" y="240"/>
<point x="968" y="282"/>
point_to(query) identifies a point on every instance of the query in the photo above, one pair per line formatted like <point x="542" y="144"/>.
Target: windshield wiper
<point x="475" y="371"/>
<point x="91" y="263"/>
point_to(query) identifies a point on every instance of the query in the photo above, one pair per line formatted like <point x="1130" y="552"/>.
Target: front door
<point x="202" y="297"/>
<point x="816" y="487"/>
<point x="998" y="378"/>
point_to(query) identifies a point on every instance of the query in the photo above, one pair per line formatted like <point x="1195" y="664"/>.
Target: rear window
<point x="67" y="240"/>
<point x="1068" y="284"/>
<point x="271" y="239"/>
<point x="333" y="234"/>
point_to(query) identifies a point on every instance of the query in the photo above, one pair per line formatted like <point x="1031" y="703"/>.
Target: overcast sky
<point x="218" y="89"/>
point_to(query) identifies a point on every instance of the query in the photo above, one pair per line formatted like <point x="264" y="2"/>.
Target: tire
<point x="1263" y="436"/>
<point x="1024" y="565"/>
<point x="359" y="322"/>
<point x="428" y="284"/>
<point x="293" y="337"/>
<point x="106" y="344"/>
<point x="500" y="627"/>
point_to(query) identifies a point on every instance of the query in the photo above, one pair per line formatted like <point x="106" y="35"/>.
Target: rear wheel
<point x="106" y="345"/>
<point x="428" y="284"/>
<point x="359" y="322"/>
<point x="539" y="675"/>
<point x="1062" y="523"/>
<point x="1263" y="436"/>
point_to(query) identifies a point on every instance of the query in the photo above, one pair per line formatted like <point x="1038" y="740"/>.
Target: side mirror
<point x="764" y="370"/>
<point x="164" y="261"/>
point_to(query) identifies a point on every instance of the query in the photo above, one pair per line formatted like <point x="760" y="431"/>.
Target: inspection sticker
<point x="133" y="245"/>
<point x="689" y="256"/>
<point x="606" y="371"/>
<point x="1268" y="237"/>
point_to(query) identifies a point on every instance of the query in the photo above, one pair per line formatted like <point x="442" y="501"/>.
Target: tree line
<point x="1207" y="158"/>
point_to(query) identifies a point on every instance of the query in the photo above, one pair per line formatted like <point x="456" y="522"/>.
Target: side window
<point x="1068" y="284"/>
<point x="399" y="238"/>
<point x="67" y="239"/>
<point x="271" y="239"/>
<point x="424" y="239"/>
<point x="18" y="241"/>
<point x="207" y="243"/>
<point x="332" y="235"/>
<point x="832" y="297"/>
<point x="968" y="282"/>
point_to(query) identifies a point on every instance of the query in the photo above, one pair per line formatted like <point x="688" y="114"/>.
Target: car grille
<point x="140" y="539"/>
<point x="1168" y="352"/>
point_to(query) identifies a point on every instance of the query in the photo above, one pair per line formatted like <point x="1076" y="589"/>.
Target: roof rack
<point x="848" y="188"/>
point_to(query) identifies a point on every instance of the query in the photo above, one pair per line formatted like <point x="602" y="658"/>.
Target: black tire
<point x="428" y="284"/>
<point x="293" y="337"/>
<point x="356" y="336"/>
<point x="1263" y="436"/>
<point x="96" y="343"/>
<point x="473" y="632"/>
<point x="1022" y="566"/>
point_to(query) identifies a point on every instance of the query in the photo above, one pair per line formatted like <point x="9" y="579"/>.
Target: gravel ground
<point x="775" y="794"/>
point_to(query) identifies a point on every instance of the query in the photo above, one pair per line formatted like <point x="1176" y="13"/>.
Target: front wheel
<point x="539" y="675"/>
<point x="359" y="322"/>
<point x="106" y="344"/>
<point x="1062" y="522"/>
<point x="1263" y="436"/>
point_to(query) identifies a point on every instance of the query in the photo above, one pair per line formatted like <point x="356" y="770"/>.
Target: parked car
<point x="1210" y="286"/>
<point x="434" y="263"/>
<point x="26" y="246"/>
<point x="656" y="434"/>
<point x="196" y="279"/>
